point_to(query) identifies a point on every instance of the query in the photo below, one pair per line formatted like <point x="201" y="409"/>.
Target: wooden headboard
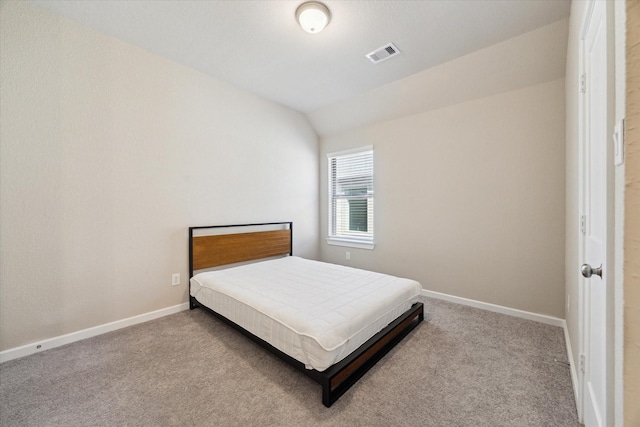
<point x="221" y="249"/>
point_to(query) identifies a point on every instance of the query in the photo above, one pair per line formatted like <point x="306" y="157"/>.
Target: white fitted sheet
<point x="317" y="313"/>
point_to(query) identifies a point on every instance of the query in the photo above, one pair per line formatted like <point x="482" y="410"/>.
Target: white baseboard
<point x="36" y="347"/>
<point x="542" y="318"/>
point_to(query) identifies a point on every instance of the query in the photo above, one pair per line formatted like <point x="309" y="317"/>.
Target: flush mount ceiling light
<point x="313" y="16"/>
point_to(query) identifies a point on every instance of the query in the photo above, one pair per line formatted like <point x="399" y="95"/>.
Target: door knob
<point x="587" y="271"/>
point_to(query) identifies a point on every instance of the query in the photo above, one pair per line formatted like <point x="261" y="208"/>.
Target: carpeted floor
<point x="465" y="367"/>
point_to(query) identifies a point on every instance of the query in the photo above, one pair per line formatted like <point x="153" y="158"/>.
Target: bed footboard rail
<point x="341" y="376"/>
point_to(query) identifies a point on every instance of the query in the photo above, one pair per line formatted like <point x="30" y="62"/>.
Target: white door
<point x="596" y="104"/>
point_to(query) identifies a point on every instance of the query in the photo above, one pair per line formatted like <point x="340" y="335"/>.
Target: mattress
<point x="317" y="313"/>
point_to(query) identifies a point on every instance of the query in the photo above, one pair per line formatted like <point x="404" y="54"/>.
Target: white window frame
<point x="349" y="239"/>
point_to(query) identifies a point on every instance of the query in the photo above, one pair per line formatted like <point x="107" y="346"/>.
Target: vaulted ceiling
<point x="258" y="45"/>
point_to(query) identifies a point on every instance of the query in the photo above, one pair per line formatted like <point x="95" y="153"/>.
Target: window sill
<point x="350" y="243"/>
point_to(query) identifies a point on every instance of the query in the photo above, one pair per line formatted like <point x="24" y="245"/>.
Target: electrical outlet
<point x="348" y="256"/>
<point x="175" y="279"/>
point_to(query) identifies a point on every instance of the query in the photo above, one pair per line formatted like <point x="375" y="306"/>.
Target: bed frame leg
<point x="326" y="394"/>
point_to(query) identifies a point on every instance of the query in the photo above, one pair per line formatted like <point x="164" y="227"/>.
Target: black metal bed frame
<point x="338" y="378"/>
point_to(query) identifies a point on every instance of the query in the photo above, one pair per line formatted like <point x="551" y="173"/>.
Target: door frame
<point x="609" y="191"/>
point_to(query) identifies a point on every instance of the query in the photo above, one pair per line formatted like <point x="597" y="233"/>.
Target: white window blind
<point x="351" y="197"/>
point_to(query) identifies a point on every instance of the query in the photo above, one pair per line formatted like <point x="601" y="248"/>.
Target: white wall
<point x="469" y="199"/>
<point x="108" y="153"/>
<point x="470" y="173"/>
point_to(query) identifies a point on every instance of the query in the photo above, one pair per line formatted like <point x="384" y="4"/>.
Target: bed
<point x="333" y="323"/>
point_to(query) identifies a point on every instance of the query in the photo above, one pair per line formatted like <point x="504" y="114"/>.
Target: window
<point x="351" y="198"/>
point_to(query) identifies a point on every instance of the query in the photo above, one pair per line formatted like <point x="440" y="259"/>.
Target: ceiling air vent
<point x="385" y="52"/>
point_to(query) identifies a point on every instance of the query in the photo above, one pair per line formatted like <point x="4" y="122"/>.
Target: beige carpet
<point x="465" y="367"/>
